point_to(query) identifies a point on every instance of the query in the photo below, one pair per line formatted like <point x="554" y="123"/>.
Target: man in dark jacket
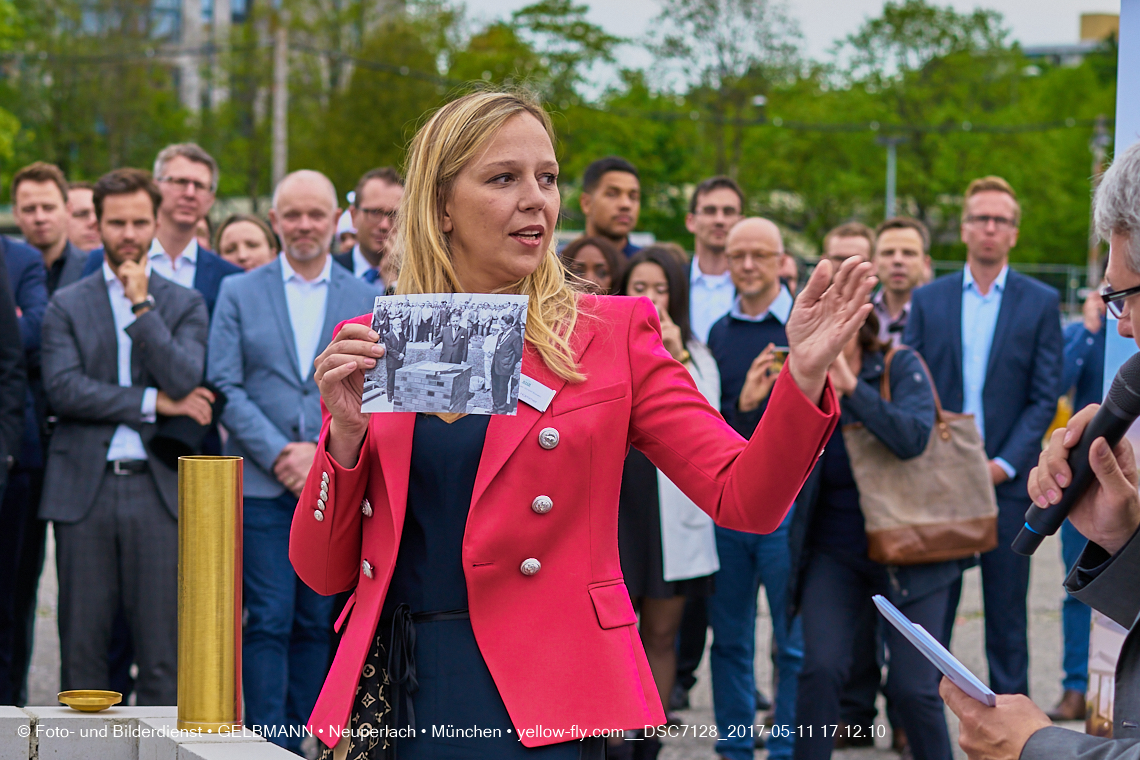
<point x="1108" y="514"/>
<point x="453" y="339"/>
<point x="508" y="351"/>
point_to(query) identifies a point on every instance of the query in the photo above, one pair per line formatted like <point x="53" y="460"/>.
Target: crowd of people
<point x="126" y="340"/>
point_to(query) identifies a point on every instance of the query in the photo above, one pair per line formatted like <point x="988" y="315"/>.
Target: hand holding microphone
<point x="1088" y="472"/>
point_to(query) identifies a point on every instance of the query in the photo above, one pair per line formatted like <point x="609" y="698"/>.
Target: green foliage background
<point x="729" y="92"/>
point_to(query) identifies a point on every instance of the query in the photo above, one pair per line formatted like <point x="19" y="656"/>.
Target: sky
<point x="1033" y="22"/>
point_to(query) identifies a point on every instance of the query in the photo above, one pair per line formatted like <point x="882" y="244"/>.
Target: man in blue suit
<point x="992" y="339"/>
<point x="269" y="325"/>
<point x="188" y="179"/>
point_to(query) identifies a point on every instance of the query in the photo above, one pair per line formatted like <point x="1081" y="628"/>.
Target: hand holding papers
<point x="937" y="654"/>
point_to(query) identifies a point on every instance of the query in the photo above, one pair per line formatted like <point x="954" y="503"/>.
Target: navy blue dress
<point x="454" y="686"/>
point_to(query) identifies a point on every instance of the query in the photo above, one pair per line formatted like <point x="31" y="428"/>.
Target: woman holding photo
<point x="483" y="549"/>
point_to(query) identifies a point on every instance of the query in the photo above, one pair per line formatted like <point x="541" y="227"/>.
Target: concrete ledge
<point x="15" y="730"/>
<point x="120" y="733"/>
<point x="160" y="739"/>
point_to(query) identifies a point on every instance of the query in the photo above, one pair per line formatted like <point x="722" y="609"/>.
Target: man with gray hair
<point x="188" y="179"/>
<point x="1108" y="514"/>
<point x="269" y="325"/>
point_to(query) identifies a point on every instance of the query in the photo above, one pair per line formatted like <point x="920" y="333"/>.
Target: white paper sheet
<point x="939" y="655"/>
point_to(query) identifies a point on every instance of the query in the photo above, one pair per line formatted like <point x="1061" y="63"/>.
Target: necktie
<point x="371" y="276"/>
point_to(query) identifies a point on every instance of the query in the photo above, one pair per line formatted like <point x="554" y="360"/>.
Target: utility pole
<point x="1098" y="145"/>
<point x="892" y="142"/>
<point x="280" y="96"/>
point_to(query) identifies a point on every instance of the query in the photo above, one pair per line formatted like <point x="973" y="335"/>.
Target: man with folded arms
<point x="119" y="348"/>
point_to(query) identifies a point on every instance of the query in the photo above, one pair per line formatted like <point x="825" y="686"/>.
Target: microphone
<point x="1119" y="410"/>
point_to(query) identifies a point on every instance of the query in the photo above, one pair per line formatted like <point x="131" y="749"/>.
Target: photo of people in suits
<point x="447" y="353"/>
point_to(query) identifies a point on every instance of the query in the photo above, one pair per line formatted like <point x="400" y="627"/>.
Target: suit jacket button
<point x="325" y="478"/>
<point x="321" y="504"/>
<point x="325" y="491"/>
<point x="366" y="566"/>
<point x="542" y="504"/>
<point x="366" y="508"/>
<point x="318" y="515"/>
<point x="548" y="438"/>
<point x="530" y="566"/>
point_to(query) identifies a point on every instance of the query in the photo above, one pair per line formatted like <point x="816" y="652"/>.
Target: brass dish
<point x="90" y="700"/>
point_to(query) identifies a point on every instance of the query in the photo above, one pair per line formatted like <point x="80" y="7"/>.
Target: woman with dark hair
<point x="595" y="260"/>
<point x="833" y="579"/>
<point x="666" y="543"/>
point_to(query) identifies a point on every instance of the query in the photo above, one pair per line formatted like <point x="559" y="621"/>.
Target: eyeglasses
<point x="376" y="214"/>
<point x="1114" y="299"/>
<point x="736" y="259"/>
<point x="729" y="212"/>
<point x="982" y="220"/>
<point x="185" y="183"/>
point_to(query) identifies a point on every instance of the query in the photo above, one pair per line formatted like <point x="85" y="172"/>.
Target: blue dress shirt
<point x="979" y="319"/>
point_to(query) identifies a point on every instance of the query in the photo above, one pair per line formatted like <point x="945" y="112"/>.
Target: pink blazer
<point x="561" y="643"/>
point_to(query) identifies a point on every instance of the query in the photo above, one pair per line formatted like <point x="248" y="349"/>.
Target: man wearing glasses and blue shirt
<point x="187" y="176"/>
<point x="992" y="339"/>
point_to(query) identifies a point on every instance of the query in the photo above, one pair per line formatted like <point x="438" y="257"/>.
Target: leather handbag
<point x="934" y="507"/>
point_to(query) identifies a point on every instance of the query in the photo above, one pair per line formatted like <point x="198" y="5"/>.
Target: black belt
<point x="402" y="656"/>
<point x="127" y="466"/>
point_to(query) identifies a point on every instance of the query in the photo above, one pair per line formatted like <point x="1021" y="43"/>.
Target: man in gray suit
<point x="119" y="348"/>
<point x="268" y="326"/>
<point x="1105" y="576"/>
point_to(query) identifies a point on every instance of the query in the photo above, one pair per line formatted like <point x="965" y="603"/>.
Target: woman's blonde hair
<point x="451" y="138"/>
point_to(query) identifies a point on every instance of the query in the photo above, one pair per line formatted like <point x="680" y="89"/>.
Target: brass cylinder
<point x="209" y="593"/>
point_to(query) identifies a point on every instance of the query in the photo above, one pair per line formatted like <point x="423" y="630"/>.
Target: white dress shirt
<point x="180" y="269"/>
<point x="307" y="301"/>
<point x="126" y="443"/>
<point x="710" y="298"/>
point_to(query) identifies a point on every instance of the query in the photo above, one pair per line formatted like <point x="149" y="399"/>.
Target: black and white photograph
<point x="447" y="352"/>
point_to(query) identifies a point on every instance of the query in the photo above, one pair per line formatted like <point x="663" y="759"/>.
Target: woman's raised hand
<point x="828" y="312"/>
<point x="339" y="372"/>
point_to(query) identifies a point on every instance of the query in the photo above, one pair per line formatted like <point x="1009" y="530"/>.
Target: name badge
<point x="535" y="393"/>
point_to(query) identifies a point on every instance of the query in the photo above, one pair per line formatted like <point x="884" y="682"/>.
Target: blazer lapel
<point x="394" y="431"/>
<point x="101" y="321"/>
<point x="1010" y="305"/>
<point x="332" y="317"/>
<point x="954" y="315"/>
<point x="505" y="433"/>
<point x="280" y="308"/>
<point x="156" y="286"/>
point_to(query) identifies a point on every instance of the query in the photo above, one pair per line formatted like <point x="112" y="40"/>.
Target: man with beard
<point x="268" y="326"/>
<point x="120" y="348"/>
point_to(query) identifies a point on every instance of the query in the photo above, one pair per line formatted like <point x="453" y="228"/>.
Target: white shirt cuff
<point x="149" y="404"/>
<point x="1012" y="473"/>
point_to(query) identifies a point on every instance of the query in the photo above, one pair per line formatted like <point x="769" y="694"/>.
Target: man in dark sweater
<point x="745" y="343"/>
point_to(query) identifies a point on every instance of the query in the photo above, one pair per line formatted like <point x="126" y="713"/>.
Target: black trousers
<point x="1005" y="589"/>
<point x="837" y="589"/>
<point x="691" y="640"/>
<point x="21" y="560"/>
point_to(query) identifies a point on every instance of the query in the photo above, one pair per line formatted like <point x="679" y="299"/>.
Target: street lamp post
<point x="892" y="142"/>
